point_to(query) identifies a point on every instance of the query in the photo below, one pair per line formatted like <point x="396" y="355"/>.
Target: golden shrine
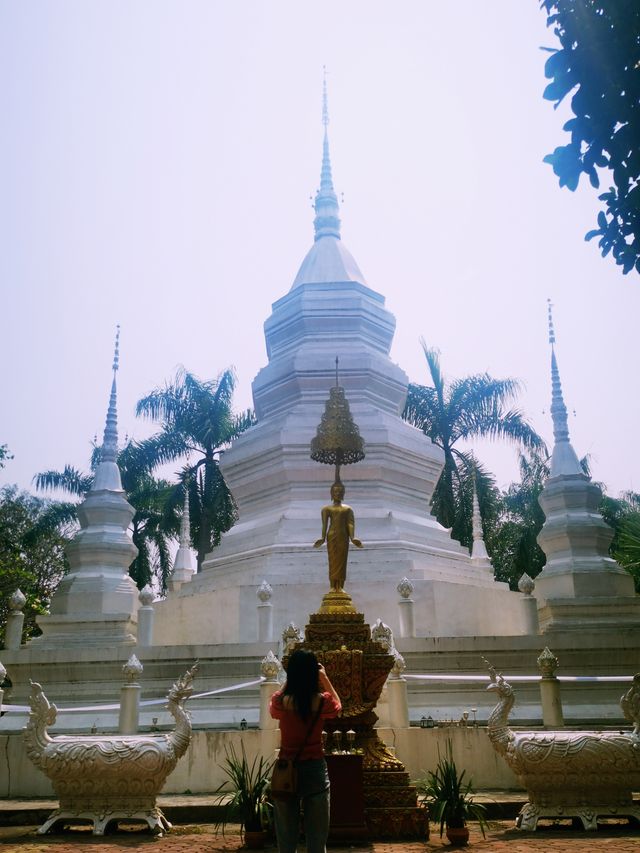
<point x="357" y="665"/>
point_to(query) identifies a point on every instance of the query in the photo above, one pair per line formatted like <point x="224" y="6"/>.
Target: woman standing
<point x="307" y="699"/>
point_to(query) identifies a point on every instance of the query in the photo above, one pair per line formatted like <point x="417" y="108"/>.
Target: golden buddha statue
<point x="338" y="529"/>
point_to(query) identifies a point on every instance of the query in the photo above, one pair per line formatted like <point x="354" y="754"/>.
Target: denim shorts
<point x="313" y="777"/>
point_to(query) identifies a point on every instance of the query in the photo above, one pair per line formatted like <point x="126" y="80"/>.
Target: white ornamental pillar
<point x="3" y="672"/>
<point x="146" y="613"/>
<point x="405" y="608"/>
<point x="529" y="604"/>
<point x="397" y="694"/>
<point x="550" y="697"/>
<point x="269" y="669"/>
<point x="15" y="621"/>
<point x="130" y="698"/>
<point x="265" y="613"/>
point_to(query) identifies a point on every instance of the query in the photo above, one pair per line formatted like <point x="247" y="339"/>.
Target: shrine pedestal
<point x="347" y="798"/>
<point x="358" y="667"/>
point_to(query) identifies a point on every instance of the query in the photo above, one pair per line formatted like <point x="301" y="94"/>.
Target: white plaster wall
<point x="199" y="771"/>
<point x="442" y="607"/>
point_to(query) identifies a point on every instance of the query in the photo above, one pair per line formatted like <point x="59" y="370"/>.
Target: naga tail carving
<point x="498" y="723"/>
<point x="42" y="715"/>
<point x="177" y="696"/>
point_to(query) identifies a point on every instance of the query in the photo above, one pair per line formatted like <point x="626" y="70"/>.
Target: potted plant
<point x="450" y="801"/>
<point x="243" y="794"/>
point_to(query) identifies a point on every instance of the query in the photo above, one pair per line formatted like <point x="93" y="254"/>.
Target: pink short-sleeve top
<point x="293" y="729"/>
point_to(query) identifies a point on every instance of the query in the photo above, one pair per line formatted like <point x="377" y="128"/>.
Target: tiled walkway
<point x="502" y="838"/>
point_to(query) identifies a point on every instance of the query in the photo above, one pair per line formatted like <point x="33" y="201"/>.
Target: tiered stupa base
<point x="358" y="667"/>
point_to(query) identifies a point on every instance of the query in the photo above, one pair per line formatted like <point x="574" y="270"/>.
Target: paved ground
<point x="501" y="838"/>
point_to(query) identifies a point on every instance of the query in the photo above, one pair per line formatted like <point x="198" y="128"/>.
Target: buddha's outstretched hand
<point x="318" y="543"/>
<point x="357" y="543"/>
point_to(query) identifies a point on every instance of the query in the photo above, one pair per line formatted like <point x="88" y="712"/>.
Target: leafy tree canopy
<point x="623" y="514"/>
<point x="33" y="535"/>
<point x="4" y="455"/>
<point x="598" y="62"/>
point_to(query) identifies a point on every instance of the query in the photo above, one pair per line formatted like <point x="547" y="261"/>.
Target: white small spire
<point x="183" y="563"/>
<point x="327" y="218"/>
<point x="478" y="548"/>
<point x="185" y="522"/>
<point x="107" y="473"/>
<point x="564" y="460"/>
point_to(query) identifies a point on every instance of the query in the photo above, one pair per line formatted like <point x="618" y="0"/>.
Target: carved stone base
<point x="587" y="814"/>
<point x="337" y="601"/>
<point x="153" y="817"/>
<point x="407" y="822"/>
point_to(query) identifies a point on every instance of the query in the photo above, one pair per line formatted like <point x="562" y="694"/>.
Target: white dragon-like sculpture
<point x="575" y="774"/>
<point x="106" y="778"/>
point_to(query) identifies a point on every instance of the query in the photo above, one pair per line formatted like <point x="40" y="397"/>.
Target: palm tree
<point x="155" y="521"/>
<point x="197" y="420"/>
<point x="513" y="542"/>
<point x="464" y="409"/>
<point x="623" y="514"/>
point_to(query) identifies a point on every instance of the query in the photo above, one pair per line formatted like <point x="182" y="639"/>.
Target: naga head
<point x="183" y="688"/>
<point x="497" y="682"/>
<point x="42" y="711"/>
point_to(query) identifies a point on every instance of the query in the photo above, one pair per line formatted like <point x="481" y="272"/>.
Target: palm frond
<point x="70" y="480"/>
<point x="421" y="410"/>
<point x="432" y="357"/>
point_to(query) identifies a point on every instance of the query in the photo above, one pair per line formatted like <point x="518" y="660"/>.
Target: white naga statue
<point x="106" y="778"/>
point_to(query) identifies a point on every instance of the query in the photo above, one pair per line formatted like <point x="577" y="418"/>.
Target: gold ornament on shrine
<point x="338" y="440"/>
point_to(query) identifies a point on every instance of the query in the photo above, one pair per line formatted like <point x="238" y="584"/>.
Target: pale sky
<point x="156" y="163"/>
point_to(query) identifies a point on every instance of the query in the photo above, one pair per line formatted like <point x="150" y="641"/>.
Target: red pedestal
<point x="347" y="798"/>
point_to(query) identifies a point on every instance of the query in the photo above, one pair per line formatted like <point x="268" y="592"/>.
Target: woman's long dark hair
<point x="302" y="680"/>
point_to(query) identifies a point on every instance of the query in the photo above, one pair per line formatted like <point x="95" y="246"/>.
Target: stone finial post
<point x="526" y="585"/>
<point x="270" y="669"/>
<point x="397" y="694"/>
<point x="550" y="690"/>
<point x="15" y="621"/>
<point x="291" y="636"/>
<point x="130" y="698"/>
<point x="265" y="613"/>
<point x="3" y="672"/>
<point x="146" y="612"/>
<point x="405" y="608"/>
<point x="396" y="684"/>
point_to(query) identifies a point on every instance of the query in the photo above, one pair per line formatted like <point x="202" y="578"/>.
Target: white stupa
<point x="96" y="603"/>
<point x="580" y="587"/>
<point x="331" y="311"/>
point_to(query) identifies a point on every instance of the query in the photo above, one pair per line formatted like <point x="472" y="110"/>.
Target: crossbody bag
<point x="284" y="778"/>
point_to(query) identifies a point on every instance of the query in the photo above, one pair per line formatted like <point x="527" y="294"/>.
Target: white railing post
<point x="15" y="621"/>
<point x="529" y="604"/>
<point x="3" y="672"/>
<point x="397" y="695"/>
<point x="130" y="698"/>
<point x="269" y="668"/>
<point x="265" y="613"/>
<point x="146" y="614"/>
<point x="405" y="608"/>
<point x="550" y="697"/>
